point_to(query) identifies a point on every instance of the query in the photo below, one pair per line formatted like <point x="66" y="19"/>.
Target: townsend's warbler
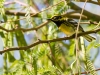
<point x="69" y="26"/>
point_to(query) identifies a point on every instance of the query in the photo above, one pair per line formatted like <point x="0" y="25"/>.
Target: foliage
<point x="29" y="34"/>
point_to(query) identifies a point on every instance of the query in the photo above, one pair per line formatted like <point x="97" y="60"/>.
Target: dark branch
<point x="46" y="41"/>
<point x="23" y="29"/>
<point x="38" y="27"/>
<point x="86" y="13"/>
<point x="90" y="1"/>
<point x="19" y="13"/>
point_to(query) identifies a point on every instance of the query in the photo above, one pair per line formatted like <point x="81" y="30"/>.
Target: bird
<point x="69" y="26"/>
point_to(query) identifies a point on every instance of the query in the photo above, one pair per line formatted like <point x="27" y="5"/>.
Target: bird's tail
<point x="89" y="38"/>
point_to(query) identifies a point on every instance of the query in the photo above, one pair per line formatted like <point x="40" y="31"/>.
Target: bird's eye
<point x="56" y="17"/>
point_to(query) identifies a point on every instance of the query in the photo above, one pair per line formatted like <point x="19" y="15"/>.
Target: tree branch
<point x="73" y="6"/>
<point x="38" y="27"/>
<point x="18" y="13"/>
<point x="32" y="14"/>
<point x="23" y="29"/>
<point x="90" y="1"/>
<point x="87" y="13"/>
<point x="46" y="41"/>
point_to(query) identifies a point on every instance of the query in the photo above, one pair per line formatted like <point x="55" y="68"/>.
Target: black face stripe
<point x="56" y="18"/>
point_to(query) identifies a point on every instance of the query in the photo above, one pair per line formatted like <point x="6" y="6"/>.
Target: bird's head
<point x="55" y="18"/>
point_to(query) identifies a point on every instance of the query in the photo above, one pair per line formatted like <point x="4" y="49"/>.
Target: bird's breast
<point x="68" y="30"/>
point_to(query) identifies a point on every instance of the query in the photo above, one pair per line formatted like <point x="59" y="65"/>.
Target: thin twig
<point x="32" y="14"/>
<point x="36" y="28"/>
<point x="23" y="29"/>
<point x="76" y="38"/>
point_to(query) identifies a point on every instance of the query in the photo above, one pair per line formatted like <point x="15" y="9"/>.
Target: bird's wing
<point x="75" y="24"/>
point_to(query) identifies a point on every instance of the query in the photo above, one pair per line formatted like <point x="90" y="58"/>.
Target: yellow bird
<point x="69" y="26"/>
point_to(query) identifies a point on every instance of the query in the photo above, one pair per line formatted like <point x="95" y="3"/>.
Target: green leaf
<point x="11" y="57"/>
<point x="91" y="45"/>
<point x="5" y="17"/>
<point x="72" y="48"/>
<point x="13" y="66"/>
<point x="2" y="34"/>
<point x="89" y="65"/>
